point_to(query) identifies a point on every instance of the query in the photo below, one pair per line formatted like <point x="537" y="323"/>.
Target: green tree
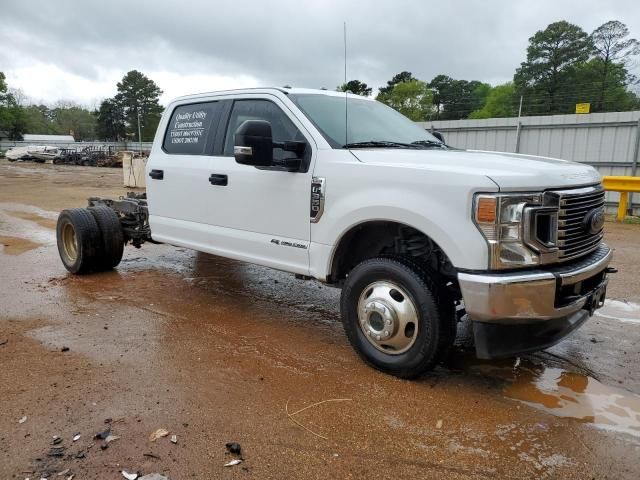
<point x="612" y="96"/>
<point x="12" y="117"/>
<point x="613" y="50"/>
<point x="110" y="121"/>
<point x="3" y="88"/>
<point x="553" y="55"/>
<point x="19" y="96"/>
<point x="39" y="120"/>
<point x="479" y="93"/>
<point x="6" y="119"/>
<point x="139" y="95"/>
<point x="440" y="84"/>
<point x="70" y="118"/>
<point x="412" y="98"/>
<point x="398" y="78"/>
<point x="456" y="99"/>
<point x="501" y="101"/>
<point x="355" y="86"/>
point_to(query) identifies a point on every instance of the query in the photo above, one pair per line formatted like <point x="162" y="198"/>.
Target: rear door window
<point x="191" y="129"/>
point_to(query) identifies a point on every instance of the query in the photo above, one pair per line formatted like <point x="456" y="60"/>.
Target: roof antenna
<point x="346" y="95"/>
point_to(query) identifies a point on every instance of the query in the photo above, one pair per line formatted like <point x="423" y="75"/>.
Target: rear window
<point x="191" y="129"/>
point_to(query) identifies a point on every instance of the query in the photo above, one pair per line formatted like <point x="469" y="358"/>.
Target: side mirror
<point x="438" y="135"/>
<point x="253" y="143"/>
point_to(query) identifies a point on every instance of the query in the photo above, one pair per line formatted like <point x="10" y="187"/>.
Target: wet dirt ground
<point x="216" y="351"/>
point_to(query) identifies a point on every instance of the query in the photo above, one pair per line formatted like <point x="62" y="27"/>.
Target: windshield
<point x="368" y="121"/>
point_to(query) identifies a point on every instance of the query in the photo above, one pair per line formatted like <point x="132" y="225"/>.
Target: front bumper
<point x="534" y="295"/>
<point x="524" y="311"/>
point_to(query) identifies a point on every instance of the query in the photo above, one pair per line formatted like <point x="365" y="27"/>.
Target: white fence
<point x="607" y="141"/>
<point x="7" y="144"/>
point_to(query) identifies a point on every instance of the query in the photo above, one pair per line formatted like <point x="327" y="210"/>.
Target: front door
<point x="261" y="215"/>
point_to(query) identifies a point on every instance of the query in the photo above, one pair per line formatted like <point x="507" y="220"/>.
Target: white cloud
<point x="81" y="50"/>
<point x="48" y="83"/>
<point x="174" y="84"/>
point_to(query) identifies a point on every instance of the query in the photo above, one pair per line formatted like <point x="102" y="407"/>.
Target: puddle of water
<point x="28" y="222"/>
<point x="34" y="217"/>
<point x="562" y="393"/>
<point x="19" y="208"/>
<point x="573" y="395"/>
<point x="16" y="245"/>
<point x="626" y="312"/>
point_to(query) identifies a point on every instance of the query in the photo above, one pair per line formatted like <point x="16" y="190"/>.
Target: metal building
<point x="47" y="139"/>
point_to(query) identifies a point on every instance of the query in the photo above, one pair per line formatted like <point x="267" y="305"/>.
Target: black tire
<point x="434" y="316"/>
<point x="446" y="304"/>
<point x="78" y="238"/>
<point x="111" y="236"/>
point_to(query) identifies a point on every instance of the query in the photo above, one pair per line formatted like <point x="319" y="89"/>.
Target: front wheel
<point x="394" y="316"/>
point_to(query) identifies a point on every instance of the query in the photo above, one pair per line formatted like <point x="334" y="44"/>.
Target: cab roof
<point x="282" y="90"/>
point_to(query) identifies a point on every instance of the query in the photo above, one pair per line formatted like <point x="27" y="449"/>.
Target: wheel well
<point x="379" y="238"/>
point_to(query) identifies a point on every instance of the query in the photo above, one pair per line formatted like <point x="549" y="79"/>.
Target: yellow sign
<point x="583" y="107"/>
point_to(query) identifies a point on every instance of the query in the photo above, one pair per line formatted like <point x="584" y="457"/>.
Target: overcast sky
<point x="78" y="50"/>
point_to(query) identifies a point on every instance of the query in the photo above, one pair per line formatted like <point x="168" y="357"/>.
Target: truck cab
<point x="418" y="234"/>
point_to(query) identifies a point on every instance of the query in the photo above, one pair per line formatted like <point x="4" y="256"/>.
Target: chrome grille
<point x="574" y="239"/>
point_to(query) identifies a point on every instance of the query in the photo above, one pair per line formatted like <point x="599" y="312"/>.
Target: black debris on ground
<point x="234" y="447"/>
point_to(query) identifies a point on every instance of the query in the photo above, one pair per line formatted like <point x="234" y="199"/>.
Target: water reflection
<point x="567" y="394"/>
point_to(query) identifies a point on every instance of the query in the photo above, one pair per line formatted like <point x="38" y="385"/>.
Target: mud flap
<point x="495" y="340"/>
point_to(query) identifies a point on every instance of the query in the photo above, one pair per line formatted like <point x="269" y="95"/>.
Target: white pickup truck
<point x="345" y="190"/>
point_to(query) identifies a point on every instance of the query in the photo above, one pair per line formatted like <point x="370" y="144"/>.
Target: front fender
<point x="441" y="221"/>
<point x="435" y="202"/>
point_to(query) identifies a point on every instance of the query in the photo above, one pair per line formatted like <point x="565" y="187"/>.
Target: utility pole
<point x="634" y="164"/>
<point x="519" y="127"/>
<point x="139" y="134"/>
<point x="346" y="94"/>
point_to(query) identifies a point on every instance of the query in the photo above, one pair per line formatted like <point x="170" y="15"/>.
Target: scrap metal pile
<point x="91" y="156"/>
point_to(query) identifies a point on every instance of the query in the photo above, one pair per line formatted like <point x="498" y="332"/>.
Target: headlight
<point x="501" y="219"/>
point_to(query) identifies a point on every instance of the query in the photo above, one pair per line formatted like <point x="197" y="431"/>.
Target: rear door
<point x="177" y="172"/>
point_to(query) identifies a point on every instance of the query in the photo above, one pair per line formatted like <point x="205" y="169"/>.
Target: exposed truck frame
<point x="133" y="215"/>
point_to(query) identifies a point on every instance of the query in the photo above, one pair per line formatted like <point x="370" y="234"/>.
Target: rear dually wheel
<point x="78" y="238"/>
<point x="111" y="237"/>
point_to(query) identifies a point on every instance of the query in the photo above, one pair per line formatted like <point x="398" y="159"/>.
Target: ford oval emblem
<point x="594" y="221"/>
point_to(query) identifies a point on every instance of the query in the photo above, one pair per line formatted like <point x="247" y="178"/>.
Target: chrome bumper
<point x="532" y="296"/>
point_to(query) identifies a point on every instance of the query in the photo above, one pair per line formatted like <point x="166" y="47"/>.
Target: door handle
<point x="157" y="174"/>
<point x="216" y="179"/>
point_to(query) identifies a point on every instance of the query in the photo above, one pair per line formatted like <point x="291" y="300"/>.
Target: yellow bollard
<point x="622" y="206"/>
<point x="624" y="185"/>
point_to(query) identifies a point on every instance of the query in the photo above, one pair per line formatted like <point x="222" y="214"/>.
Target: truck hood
<point x="510" y="171"/>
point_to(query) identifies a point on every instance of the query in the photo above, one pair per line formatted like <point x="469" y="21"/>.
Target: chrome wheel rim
<point x="69" y="243"/>
<point x="388" y="317"/>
